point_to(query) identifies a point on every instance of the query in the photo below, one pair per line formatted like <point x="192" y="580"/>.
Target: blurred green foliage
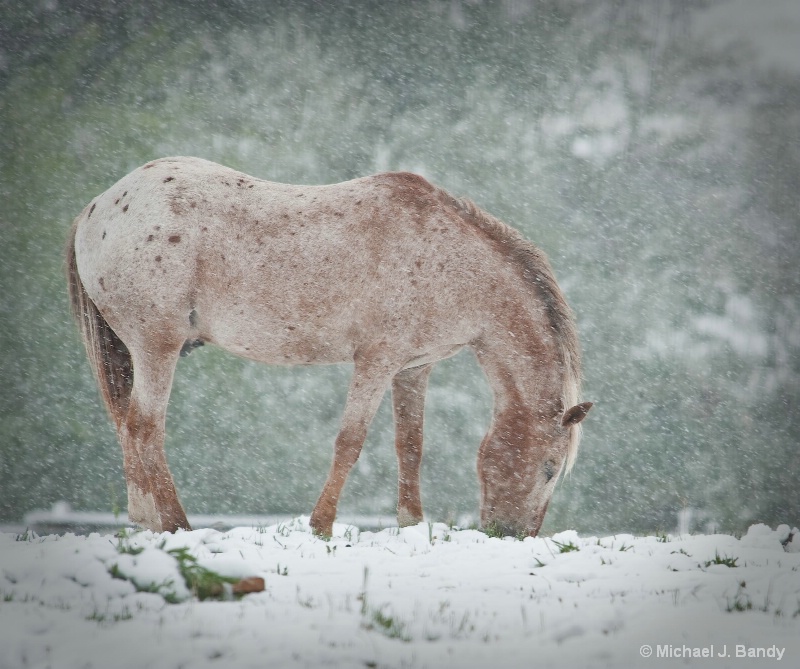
<point x="659" y="178"/>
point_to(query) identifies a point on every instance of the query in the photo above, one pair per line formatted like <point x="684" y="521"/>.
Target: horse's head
<point x="519" y="464"/>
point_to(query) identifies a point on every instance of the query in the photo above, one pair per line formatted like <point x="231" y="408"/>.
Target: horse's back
<point x="286" y="273"/>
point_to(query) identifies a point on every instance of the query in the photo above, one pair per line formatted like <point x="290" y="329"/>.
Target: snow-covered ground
<point x="423" y="596"/>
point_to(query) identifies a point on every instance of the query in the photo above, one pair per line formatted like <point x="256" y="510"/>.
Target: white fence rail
<point x="61" y="518"/>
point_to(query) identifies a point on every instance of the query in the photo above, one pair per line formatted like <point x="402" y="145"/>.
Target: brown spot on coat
<point x="125" y="208"/>
<point x="91" y="210"/>
<point x="150" y="238"/>
<point x="174" y="239"/>
<point x="158" y="258"/>
<point x="168" y="179"/>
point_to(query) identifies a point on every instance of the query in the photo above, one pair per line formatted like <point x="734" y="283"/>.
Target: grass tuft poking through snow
<point x="566" y="547"/>
<point x="139" y="568"/>
<point x="727" y="561"/>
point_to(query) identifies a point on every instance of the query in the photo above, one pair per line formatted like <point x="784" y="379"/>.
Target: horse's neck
<point x="526" y="374"/>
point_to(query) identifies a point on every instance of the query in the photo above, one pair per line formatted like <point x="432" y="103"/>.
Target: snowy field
<point x="424" y="596"/>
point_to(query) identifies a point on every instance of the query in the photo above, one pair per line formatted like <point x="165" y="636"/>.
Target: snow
<point x="739" y="328"/>
<point x="422" y="596"/>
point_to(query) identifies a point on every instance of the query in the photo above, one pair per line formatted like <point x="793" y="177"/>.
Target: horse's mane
<point x="537" y="271"/>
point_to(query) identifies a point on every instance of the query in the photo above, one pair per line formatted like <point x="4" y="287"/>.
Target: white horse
<point x="388" y="272"/>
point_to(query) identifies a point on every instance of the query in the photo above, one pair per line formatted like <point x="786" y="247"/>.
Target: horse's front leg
<point x="371" y="376"/>
<point x="408" y="399"/>
<point x="152" y="499"/>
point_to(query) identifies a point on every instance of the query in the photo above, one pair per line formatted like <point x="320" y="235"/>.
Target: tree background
<point x="654" y="162"/>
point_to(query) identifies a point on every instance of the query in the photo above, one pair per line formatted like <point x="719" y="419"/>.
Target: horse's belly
<point x="332" y="339"/>
<point x="436" y="353"/>
<point x="278" y="343"/>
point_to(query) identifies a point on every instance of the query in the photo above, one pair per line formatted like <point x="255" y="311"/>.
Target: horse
<point x="387" y="272"/>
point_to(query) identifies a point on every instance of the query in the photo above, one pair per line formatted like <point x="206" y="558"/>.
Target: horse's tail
<point x="108" y="355"/>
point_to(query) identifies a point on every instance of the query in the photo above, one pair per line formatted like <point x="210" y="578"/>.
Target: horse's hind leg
<point x="152" y="498"/>
<point x="370" y="379"/>
<point x="408" y="399"/>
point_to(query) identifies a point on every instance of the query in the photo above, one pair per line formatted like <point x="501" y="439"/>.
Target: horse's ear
<point x="576" y="414"/>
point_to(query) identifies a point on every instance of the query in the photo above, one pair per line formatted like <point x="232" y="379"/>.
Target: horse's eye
<point x="549" y="469"/>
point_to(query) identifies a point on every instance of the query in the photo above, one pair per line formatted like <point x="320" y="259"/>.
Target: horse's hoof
<point x="174" y="528"/>
<point x="322" y="531"/>
<point x="320" y="528"/>
<point x="406" y="518"/>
